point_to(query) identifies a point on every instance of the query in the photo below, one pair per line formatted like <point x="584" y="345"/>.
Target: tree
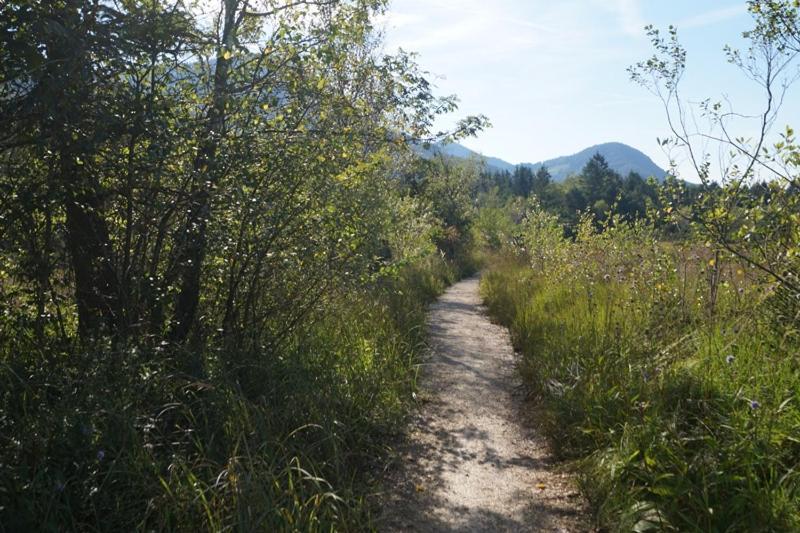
<point x="68" y="77"/>
<point x="574" y="199"/>
<point x="522" y="181"/>
<point x="448" y="189"/>
<point x="541" y="181"/>
<point x="599" y="181"/>
<point x="636" y="196"/>
<point x="194" y="175"/>
<point x="762" y="232"/>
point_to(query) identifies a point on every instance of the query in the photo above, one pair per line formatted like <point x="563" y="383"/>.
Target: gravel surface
<point x="471" y="461"/>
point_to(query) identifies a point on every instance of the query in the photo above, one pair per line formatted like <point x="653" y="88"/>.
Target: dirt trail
<point x="470" y="463"/>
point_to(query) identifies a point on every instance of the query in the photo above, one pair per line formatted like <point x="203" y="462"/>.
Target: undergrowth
<point x="662" y="373"/>
<point x="121" y="440"/>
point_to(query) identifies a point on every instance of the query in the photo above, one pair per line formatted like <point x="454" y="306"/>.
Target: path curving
<point x="470" y="463"/>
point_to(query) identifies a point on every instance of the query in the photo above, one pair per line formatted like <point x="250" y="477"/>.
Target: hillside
<point x="462" y="152"/>
<point x="621" y="157"/>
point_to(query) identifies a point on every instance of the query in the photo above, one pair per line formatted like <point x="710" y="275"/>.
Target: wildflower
<point x="754" y="404"/>
<point x="60" y="486"/>
<point x="730" y="359"/>
<point x="101" y="455"/>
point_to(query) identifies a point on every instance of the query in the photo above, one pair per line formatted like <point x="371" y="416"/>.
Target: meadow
<point x="667" y="371"/>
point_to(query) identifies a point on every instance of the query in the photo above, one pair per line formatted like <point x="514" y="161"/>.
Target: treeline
<point x="597" y="188"/>
<point x="212" y="279"/>
<point x="600" y="191"/>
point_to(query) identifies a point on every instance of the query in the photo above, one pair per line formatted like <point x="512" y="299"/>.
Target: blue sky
<point x="551" y="74"/>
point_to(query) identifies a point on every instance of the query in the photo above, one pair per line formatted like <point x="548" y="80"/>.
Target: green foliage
<point x="597" y="189"/>
<point x="496" y="226"/>
<point x="751" y="211"/>
<point x="124" y="440"/>
<point x="660" y="373"/>
<point x="445" y="187"/>
<point x="664" y="349"/>
<point x="212" y="283"/>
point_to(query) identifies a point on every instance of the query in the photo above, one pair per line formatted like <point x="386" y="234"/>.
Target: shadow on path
<point x="469" y="464"/>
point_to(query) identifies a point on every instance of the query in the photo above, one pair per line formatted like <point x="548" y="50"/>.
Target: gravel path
<point x="470" y="463"/>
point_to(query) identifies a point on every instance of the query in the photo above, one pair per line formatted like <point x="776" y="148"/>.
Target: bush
<point x="120" y="440"/>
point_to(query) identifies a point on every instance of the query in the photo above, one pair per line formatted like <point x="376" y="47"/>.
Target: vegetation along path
<point x="472" y="463"/>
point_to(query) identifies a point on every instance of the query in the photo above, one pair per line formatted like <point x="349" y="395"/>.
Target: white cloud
<point x="476" y="30"/>
<point x="550" y="74"/>
<point x="629" y="15"/>
<point x="712" y="17"/>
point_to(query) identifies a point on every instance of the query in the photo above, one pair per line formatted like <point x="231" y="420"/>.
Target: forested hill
<point x="621" y="158"/>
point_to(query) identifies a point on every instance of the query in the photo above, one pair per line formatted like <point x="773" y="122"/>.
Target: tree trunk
<point x="90" y="250"/>
<point x="67" y="93"/>
<point x="205" y="177"/>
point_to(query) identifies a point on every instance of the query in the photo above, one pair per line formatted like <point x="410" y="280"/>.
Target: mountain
<point x="462" y="152"/>
<point x="620" y="157"/>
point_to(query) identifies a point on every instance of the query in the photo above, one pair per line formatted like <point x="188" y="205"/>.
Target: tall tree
<point x="599" y="181"/>
<point x="64" y="67"/>
<point x="522" y="181"/>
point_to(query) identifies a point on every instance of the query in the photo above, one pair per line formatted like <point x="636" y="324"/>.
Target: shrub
<point x="661" y="374"/>
<point x="120" y="440"/>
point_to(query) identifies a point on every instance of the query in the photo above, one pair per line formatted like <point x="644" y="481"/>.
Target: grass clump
<point x="121" y="440"/>
<point x="661" y="372"/>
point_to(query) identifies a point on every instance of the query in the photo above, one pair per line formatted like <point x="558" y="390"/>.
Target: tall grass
<point x="123" y="440"/>
<point x="661" y="373"/>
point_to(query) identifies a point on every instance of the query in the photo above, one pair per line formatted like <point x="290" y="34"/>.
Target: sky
<point x="551" y="74"/>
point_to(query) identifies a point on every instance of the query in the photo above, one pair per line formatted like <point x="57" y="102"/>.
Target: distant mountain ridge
<point x="620" y="157"/>
<point x="462" y="152"/>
